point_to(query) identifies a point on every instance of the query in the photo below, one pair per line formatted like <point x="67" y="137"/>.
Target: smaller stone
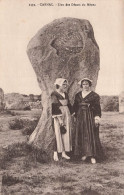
<point x="2" y="103"/>
<point x="121" y="102"/>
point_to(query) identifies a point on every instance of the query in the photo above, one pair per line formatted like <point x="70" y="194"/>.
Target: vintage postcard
<point x="61" y="97"/>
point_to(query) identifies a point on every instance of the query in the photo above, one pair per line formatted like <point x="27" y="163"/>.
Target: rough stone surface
<point x="121" y="102"/>
<point x="64" y="48"/>
<point x="2" y="103"/>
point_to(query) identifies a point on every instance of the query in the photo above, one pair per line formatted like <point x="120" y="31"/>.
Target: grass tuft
<point x="15" y="124"/>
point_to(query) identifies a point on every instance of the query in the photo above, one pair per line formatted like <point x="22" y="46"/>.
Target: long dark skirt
<point x="87" y="142"/>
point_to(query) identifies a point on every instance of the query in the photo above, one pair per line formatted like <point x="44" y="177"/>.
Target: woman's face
<point x="85" y="85"/>
<point x="64" y="87"/>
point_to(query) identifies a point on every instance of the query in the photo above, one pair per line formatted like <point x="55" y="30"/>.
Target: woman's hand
<point x="60" y="121"/>
<point x="97" y="121"/>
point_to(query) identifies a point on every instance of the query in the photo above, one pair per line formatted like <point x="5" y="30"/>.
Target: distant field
<point x="24" y="173"/>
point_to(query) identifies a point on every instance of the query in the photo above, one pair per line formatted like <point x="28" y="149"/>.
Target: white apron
<point x="64" y="141"/>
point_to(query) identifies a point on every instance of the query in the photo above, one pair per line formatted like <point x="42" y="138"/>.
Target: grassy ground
<point x="23" y="172"/>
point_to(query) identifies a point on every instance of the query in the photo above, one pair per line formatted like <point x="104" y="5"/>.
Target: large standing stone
<point x="64" y="48"/>
<point x="2" y="103"/>
<point x="121" y="102"/>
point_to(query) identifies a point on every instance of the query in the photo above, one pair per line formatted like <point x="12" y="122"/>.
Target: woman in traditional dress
<point x="88" y="113"/>
<point x="61" y="114"/>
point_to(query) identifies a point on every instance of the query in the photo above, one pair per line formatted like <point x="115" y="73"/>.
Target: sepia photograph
<point x="61" y="97"/>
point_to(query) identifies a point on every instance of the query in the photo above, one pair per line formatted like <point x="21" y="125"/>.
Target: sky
<point x="20" y="22"/>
